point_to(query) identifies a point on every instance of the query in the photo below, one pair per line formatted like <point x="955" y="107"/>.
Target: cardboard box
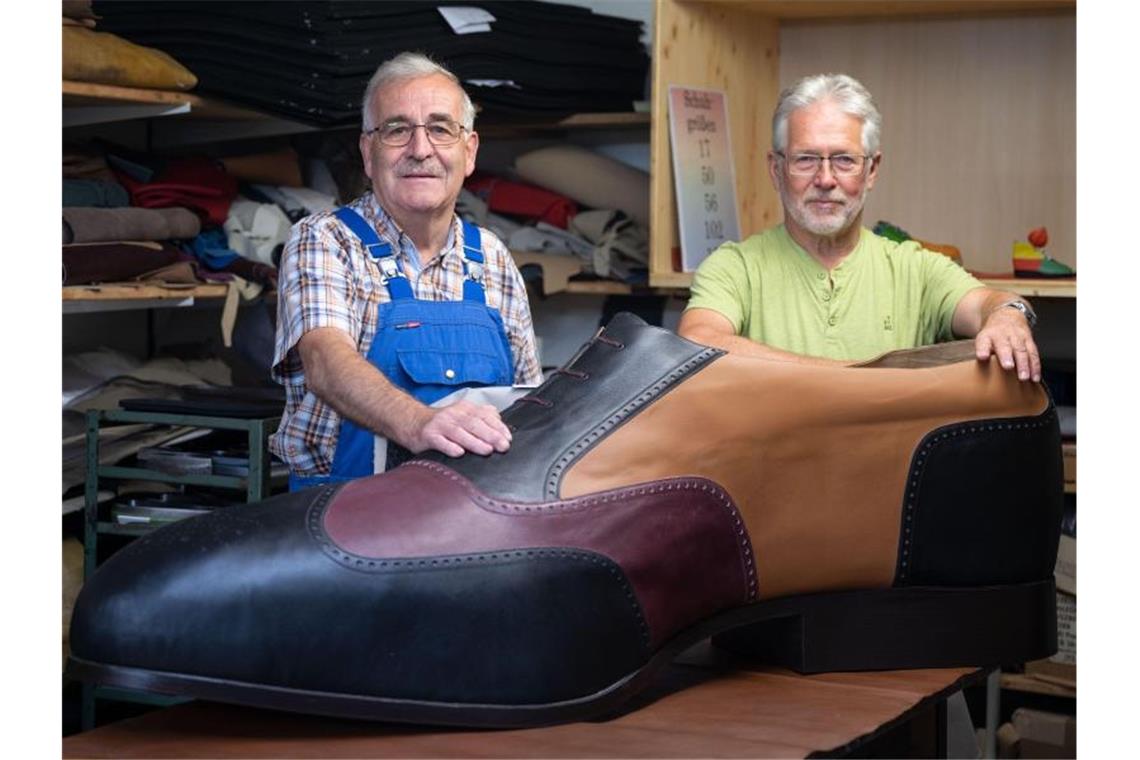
<point x="1069" y="459"/>
<point x="1066" y="629"/>
<point x="1045" y="734"/>
<point x="1065" y="571"/>
<point x="1061" y="668"/>
<point x="1059" y="673"/>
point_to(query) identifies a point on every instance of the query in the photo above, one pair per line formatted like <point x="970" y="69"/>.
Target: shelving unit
<point x="256" y="487"/>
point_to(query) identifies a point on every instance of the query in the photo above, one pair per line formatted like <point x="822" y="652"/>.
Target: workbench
<point x="703" y="705"/>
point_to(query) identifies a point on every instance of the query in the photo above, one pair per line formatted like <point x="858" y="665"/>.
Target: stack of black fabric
<point x="311" y="60"/>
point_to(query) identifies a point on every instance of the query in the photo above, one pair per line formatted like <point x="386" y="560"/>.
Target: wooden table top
<point x="701" y="706"/>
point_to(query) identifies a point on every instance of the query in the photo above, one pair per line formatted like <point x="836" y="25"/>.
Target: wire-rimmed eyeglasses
<point x="808" y="164"/>
<point x="440" y="132"/>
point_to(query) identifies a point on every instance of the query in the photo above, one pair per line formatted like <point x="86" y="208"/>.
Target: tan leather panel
<point x="925" y="356"/>
<point x="816" y="458"/>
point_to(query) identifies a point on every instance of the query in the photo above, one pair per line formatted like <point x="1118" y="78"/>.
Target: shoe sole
<point x="884" y="629"/>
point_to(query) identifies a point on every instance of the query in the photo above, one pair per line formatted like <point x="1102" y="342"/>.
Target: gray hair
<point x="411" y="66"/>
<point x="851" y="96"/>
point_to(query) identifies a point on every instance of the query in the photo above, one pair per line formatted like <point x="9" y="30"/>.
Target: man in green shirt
<point x="822" y="289"/>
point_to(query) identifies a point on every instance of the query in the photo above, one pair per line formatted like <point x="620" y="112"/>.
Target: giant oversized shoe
<point x="903" y="513"/>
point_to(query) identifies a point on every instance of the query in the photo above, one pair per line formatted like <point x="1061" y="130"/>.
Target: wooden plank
<point x="1033" y="287"/>
<point x="722" y="47"/>
<point x="1023" y="287"/>
<point x="1018" y="682"/>
<point x="140" y="292"/>
<point x="797" y="9"/>
<point x="513" y="129"/>
<point x="1069" y="458"/>
<point x="625" y="119"/>
<point x="689" y="712"/>
<point x="86" y="94"/>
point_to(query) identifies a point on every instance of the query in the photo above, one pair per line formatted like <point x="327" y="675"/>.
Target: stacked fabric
<point x="568" y="201"/>
<point x="171" y="221"/>
<point x="310" y="61"/>
<point x="102" y="58"/>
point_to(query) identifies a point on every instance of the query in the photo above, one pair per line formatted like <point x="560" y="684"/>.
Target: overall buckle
<point x="388" y="269"/>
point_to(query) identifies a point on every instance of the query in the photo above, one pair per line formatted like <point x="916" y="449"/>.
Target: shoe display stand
<point x="256" y="486"/>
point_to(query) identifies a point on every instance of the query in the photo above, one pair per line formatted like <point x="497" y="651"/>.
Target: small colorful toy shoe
<point x="1029" y="261"/>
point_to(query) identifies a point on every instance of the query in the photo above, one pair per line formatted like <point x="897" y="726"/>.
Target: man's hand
<point x="1006" y="334"/>
<point x="459" y="428"/>
<point x="344" y="379"/>
<point x="998" y="330"/>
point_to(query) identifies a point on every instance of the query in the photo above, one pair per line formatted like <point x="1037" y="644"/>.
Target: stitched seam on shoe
<point x="611" y="423"/>
<point x="581" y="503"/>
<point x="362" y="564"/>
<point x="918" y="469"/>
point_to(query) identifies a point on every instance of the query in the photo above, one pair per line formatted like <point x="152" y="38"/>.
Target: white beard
<point x="823" y="225"/>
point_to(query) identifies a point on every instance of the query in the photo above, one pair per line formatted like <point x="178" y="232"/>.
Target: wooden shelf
<point x="1018" y="682"/>
<point x="126" y="292"/>
<point x="817" y="9"/>
<point x="1044" y="288"/>
<point x="134" y="102"/>
<point x="79" y="299"/>
<point x="87" y="103"/>
<point x="488" y="127"/>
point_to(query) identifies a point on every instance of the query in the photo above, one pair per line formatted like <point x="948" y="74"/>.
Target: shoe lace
<point x="531" y="398"/>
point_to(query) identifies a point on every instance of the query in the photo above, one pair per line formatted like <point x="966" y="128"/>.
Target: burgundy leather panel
<point x="681" y="542"/>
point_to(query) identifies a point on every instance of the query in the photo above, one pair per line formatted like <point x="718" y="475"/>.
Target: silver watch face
<point x="1025" y="311"/>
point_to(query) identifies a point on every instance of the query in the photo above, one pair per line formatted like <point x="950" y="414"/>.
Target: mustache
<point x="409" y="167"/>
<point x="826" y="197"/>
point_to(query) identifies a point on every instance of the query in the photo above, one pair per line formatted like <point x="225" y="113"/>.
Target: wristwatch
<point x="1025" y="309"/>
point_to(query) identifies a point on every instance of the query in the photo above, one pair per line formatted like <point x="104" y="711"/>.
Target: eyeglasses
<point x="440" y="132"/>
<point x="808" y="164"/>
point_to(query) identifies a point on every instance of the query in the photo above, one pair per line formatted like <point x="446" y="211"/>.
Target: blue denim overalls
<point x="428" y="348"/>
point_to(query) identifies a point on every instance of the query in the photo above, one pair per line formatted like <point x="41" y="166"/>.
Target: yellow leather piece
<point x="1023" y="250"/>
<point x="102" y="58"/>
<point x="816" y="458"/>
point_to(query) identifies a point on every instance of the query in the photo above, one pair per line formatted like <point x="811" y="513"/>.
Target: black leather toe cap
<point x="247" y="595"/>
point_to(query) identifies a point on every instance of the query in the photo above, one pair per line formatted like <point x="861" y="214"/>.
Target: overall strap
<point x="390" y="274"/>
<point x="472" y="263"/>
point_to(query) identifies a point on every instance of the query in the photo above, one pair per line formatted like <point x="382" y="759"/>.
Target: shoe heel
<point x="902" y="628"/>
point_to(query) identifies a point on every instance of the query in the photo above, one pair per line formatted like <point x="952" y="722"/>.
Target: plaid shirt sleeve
<point x="316" y="288"/>
<point x="514" y="307"/>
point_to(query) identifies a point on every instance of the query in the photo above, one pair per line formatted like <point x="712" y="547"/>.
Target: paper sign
<point x="467" y="20"/>
<point x="702" y="172"/>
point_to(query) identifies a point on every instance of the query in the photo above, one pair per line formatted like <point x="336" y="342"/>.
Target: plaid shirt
<point x="327" y="280"/>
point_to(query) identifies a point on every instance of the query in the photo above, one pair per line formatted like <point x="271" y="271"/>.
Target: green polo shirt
<point x="883" y="296"/>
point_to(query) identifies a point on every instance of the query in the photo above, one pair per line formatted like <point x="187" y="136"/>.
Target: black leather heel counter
<point x="983" y="504"/>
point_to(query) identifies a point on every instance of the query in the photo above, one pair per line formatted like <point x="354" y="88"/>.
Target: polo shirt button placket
<point x="832" y="320"/>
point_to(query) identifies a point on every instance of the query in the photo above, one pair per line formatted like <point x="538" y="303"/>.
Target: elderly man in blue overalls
<point x="391" y="307"/>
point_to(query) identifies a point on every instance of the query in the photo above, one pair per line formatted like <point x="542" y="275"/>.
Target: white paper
<point x="466" y="19"/>
<point x="493" y="83"/>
